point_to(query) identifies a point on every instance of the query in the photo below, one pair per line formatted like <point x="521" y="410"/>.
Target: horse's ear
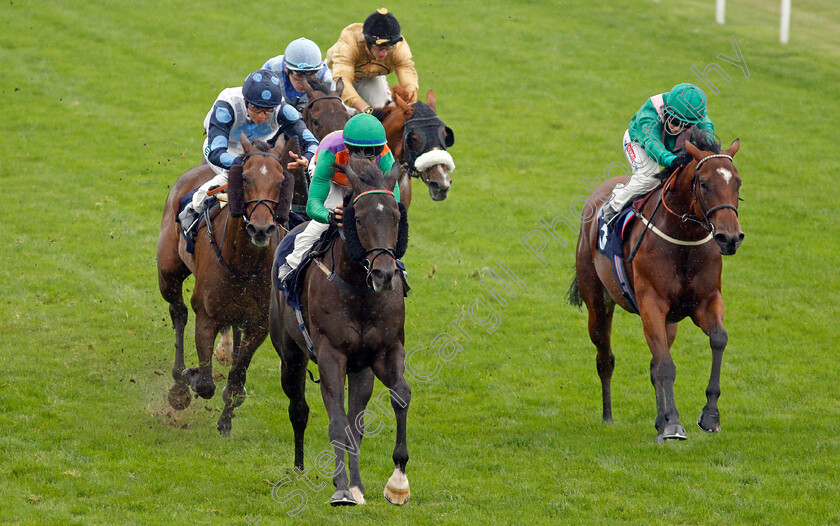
<point x="246" y="144"/>
<point x="403" y="105"/>
<point x="430" y="100"/>
<point x="733" y="148"/>
<point x="339" y="87"/>
<point x="693" y="150"/>
<point x="310" y="93"/>
<point x="279" y="145"/>
<point x="393" y="176"/>
<point x="347" y="170"/>
<point x="448" y="136"/>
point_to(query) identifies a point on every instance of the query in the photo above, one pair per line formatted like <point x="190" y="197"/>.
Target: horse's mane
<point x="261" y="145"/>
<point x="368" y="172"/>
<point x="702" y="140"/>
<point x="319" y="85"/>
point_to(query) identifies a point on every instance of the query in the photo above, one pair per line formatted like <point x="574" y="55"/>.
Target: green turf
<point x="102" y="105"/>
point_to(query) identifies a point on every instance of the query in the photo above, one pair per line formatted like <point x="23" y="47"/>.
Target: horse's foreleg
<point x="663" y="372"/>
<point x="360" y="388"/>
<point x="201" y="377"/>
<point x="710" y="320"/>
<point x="234" y="393"/>
<point x="390" y="371"/>
<point x="332" y="368"/>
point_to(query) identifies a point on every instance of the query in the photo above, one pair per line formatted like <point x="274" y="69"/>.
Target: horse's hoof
<point x="397" y="491"/>
<point x="205" y="391"/>
<point x="179" y="397"/>
<point x="342" y="497"/>
<point x="709" y="423"/>
<point x="671" y="432"/>
<point x="358" y="494"/>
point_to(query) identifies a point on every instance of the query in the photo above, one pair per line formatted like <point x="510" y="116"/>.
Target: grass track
<point x="102" y="105"/>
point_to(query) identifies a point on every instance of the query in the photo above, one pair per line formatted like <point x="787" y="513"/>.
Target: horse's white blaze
<point x="264" y="170"/>
<point x="727" y="175"/>
<point x="380" y="207"/>
<point x="358" y="496"/>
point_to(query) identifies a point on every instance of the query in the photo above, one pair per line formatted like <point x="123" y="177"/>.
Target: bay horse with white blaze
<point x="353" y="303"/>
<point x="232" y="266"/>
<point x="418" y="140"/>
<point x="676" y="273"/>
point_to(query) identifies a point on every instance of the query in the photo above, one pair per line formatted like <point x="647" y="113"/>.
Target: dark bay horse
<point x="232" y="266"/>
<point x="675" y="274"/>
<point x="353" y="304"/>
<point x="419" y="139"/>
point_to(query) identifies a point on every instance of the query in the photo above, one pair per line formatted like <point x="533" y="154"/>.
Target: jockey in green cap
<point x="650" y="140"/>
<point x="363" y="134"/>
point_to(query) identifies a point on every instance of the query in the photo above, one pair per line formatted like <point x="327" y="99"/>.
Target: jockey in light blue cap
<point x="301" y="61"/>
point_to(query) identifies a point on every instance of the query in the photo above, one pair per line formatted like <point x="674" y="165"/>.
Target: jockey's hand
<point x="299" y="161"/>
<point x="336" y="216"/>
<point x="681" y="159"/>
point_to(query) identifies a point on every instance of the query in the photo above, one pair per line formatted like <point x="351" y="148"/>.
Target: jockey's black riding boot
<point x="608" y="214"/>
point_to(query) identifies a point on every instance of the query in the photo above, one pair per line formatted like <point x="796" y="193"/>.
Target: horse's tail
<point x="574" y="293"/>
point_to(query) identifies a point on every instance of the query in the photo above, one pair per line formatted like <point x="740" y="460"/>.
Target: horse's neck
<point x="394" y="133"/>
<point x="348" y="270"/>
<point x="679" y="199"/>
<point x="242" y="256"/>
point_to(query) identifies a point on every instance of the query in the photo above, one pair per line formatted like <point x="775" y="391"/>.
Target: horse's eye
<point x="703" y="185"/>
<point x="314" y="123"/>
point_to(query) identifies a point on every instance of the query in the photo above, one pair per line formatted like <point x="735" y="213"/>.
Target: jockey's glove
<point x="680" y="160"/>
<point x="332" y="220"/>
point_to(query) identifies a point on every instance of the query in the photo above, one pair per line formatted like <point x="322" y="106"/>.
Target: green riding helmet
<point x="687" y="103"/>
<point x="364" y="130"/>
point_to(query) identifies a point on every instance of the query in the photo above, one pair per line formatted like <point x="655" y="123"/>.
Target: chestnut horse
<point x="356" y="316"/>
<point x="419" y="139"/>
<point x="232" y="266"/>
<point x="675" y="274"/>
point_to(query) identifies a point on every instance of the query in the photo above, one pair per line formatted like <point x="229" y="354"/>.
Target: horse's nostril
<point x="270" y="230"/>
<point x="741" y="237"/>
<point x="251" y="230"/>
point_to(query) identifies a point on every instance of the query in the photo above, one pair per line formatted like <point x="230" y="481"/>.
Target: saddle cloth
<point x="210" y="208"/>
<point x="611" y="244"/>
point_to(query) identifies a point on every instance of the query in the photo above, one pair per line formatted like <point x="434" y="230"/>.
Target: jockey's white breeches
<point x="373" y="90"/>
<point x="642" y="180"/>
<point x="313" y="231"/>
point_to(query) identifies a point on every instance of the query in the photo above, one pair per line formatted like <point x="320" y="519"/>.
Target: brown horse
<point x="419" y="139"/>
<point x="356" y="316"/>
<point x="232" y="265"/>
<point x="675" y="274"/>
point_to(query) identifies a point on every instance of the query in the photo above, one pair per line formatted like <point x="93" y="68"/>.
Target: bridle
<point x="307" y="110"/>
<point x="271" y="204"/>
<point x="703" y="221"/>
<point x="378" y="251"/>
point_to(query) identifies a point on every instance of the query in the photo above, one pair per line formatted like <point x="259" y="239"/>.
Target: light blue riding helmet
<point x="262" y="88"/>
<point x="303" y="55"/>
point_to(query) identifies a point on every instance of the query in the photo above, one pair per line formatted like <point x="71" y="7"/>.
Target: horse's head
<point x="256" y="192"/>
<point x="375" y="224"/>
<point x="324" y="113"/>
<point x="425" y="140"/>
<point x="715" y="185"/>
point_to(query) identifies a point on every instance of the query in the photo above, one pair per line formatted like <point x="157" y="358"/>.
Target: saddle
<point x="213" y="206"/>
